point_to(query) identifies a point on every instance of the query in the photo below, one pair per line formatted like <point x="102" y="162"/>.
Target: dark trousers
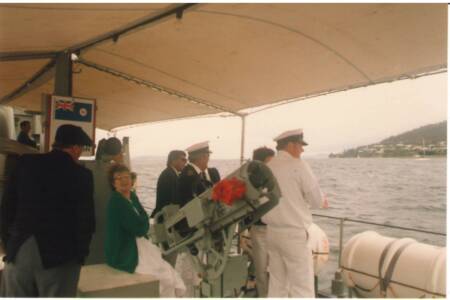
<point x="26" y="277"/>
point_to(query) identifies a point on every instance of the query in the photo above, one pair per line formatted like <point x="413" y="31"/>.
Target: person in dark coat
<point x="166" y="188"/>
<point x="47" y="219"/>
<point x="196" y="177"/>
<point x="24" y="135"/>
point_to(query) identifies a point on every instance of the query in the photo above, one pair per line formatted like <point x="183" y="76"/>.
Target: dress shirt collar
<point x="197" y="169"/>
<point x="176" y="171"/>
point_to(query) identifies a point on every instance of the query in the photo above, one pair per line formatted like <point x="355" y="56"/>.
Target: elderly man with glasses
<point x="166" y="188"/>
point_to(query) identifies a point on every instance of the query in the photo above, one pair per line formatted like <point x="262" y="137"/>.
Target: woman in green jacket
<point x="127" y="244"/>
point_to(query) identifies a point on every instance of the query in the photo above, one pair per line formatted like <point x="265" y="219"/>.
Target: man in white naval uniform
<point x="290" y="259"/>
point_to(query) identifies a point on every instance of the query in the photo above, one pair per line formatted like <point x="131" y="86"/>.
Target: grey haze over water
<point x="405" y="192"/>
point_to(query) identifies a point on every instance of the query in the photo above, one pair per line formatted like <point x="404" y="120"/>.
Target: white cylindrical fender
<point x="378" y="266"/>
<point x="318" y="242"/>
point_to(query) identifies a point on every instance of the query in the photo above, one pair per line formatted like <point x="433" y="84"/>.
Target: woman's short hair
<point x="262" y="153"/>
<point x="116" y="168"/>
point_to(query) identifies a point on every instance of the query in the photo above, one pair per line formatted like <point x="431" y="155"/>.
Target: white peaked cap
<point x="291" y="133"/>
<point x="199" y="147"/>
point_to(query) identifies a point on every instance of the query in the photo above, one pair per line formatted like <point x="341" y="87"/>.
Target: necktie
<point x="204" y="180"/>
<point x="203" y="176"/>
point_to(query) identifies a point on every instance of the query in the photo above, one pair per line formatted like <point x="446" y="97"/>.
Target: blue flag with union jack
<point x="73" y="111"/>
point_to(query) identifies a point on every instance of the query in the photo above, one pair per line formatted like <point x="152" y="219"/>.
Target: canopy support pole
<point x="63" y="74"/>
<point x="242" y="137"/>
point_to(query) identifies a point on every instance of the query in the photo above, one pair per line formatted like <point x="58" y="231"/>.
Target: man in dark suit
<point x="24" y="135"/>
<point x="47" y="219"/>
<point x="166" y="188"/>
<point x="196" y="177"/>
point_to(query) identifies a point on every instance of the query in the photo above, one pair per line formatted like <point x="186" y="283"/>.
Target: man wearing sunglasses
<point x="166" y="188"/>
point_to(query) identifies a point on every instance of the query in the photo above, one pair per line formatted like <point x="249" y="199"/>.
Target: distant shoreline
<point x="426" y="141"/>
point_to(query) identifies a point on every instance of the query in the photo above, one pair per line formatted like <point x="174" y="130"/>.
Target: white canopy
<point x="212" y="57"/>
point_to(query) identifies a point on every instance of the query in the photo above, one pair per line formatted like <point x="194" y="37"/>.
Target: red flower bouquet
<point x="228" y="190"/>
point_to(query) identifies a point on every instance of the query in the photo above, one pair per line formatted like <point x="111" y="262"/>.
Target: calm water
<point x="403" y="192"/>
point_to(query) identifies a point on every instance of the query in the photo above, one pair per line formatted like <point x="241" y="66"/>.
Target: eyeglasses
<point x="120" y="177"/>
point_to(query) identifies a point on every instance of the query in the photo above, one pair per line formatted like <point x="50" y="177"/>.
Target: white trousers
<point x="151" y="262"/>
<point x="185" y="267"/>
<point x="260" y="258"/>
<point x="290" y="264"/>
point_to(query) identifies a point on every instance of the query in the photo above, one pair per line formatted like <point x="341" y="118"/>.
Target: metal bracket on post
<point x="63" y="74"/>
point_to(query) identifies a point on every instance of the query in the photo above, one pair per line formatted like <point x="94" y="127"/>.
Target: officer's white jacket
<point x="300" y="191"/>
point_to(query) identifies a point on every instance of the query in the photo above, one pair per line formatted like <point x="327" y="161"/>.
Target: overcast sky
<point x="331" y="123"/>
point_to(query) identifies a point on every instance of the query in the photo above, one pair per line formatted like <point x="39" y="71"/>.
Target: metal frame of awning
<point x="9" y="56"/>
<point x="42" y="76"/>
<point x="161" y="89"/>
<point x="60" y="68"/>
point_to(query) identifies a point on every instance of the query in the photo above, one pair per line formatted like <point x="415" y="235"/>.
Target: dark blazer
<point x="23" y="138"/>
<point x="50" y="197"/>
<point x="166" y="189"/>
<point x="190" y="183"/>
<point x="214" y="174"/>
